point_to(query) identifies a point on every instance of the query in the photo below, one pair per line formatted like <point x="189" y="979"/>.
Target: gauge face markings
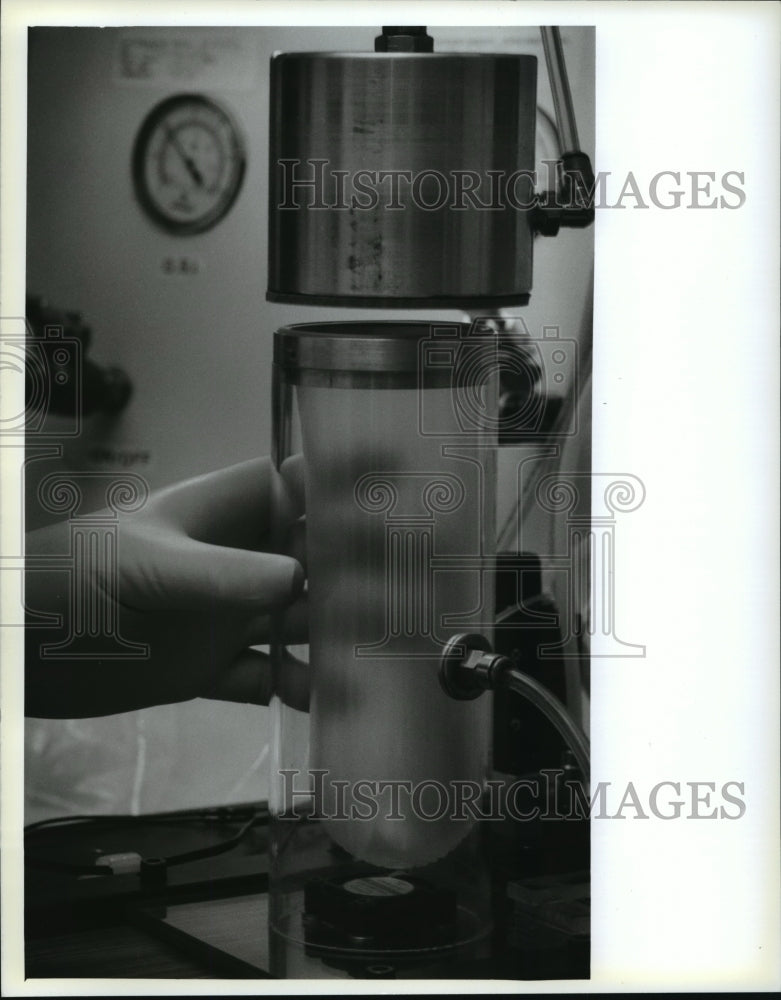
<point x="188" y="163"/>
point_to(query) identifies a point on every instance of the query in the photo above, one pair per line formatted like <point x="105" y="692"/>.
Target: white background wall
<point x="198" y="349"/>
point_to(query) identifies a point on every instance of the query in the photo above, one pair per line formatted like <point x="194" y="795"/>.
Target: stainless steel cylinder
<point x="401" y="179"/>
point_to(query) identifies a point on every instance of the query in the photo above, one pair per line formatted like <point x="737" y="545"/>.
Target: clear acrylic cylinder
<point x="384" y="435"/>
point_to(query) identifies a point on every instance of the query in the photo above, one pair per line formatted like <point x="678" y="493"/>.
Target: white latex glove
<point x="194" y="584"/>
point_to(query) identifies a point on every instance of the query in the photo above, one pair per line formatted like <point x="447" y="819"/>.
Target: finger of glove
<point x="162" y="569"/>
<point x="230" y="507"/>
<point x="295" y="543"/>
<point x="248" y="679"/>
<point x="294" y="624"/>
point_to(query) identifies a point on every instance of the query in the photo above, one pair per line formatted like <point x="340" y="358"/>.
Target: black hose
<point x="553" y="710"/>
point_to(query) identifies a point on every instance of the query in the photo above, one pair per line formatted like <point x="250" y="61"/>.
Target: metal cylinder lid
<point x="401" y="178"/>
<point x="385" y="353"/>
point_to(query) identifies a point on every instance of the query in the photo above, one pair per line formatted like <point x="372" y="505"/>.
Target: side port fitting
<point x="468" y="667"/>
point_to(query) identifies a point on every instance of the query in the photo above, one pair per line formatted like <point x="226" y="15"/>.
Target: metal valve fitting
<point x="468" y="666"/>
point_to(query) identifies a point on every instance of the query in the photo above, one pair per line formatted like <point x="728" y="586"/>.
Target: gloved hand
<point x="195" y="583"/>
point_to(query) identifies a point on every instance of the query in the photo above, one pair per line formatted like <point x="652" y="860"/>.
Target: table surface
<point x="208" y="922"/>
<point x="120" y="952"/>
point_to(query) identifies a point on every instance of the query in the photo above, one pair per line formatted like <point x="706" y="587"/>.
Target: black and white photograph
<point x="389" y="490"/>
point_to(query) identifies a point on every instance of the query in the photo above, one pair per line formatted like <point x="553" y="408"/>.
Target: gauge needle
<point x="188" y="161"/>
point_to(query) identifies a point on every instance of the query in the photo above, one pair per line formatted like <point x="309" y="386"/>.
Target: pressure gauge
<point x="188" y="163"/>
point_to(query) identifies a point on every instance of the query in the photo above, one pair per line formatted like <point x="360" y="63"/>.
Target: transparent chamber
<point x="384" y="434"/>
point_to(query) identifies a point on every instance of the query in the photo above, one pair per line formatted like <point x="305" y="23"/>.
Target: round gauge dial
<point x="188" y="163"/>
